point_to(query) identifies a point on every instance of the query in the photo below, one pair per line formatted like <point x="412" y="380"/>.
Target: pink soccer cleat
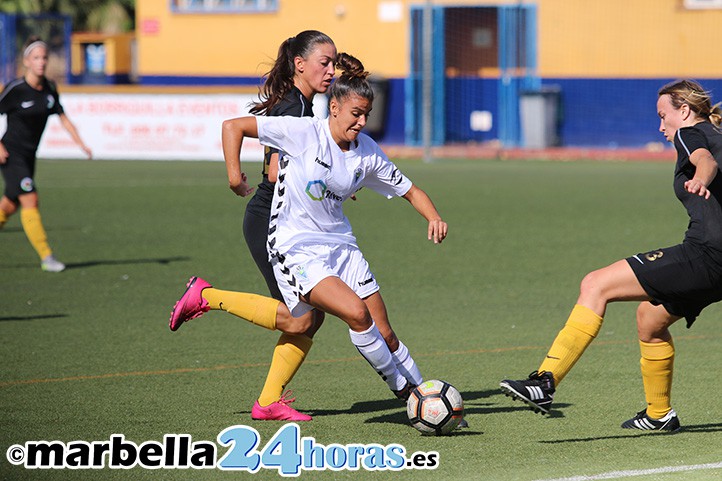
<point x="278" y="411"/>
<point x="190" y="305"/>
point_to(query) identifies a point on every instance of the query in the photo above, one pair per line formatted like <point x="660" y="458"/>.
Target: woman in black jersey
<point x="672" y="282"/>
<point x="28" y="102"/>
<point x="304" y="67"/>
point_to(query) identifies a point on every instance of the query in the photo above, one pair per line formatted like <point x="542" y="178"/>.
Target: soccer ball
<point x="435" y="408"/>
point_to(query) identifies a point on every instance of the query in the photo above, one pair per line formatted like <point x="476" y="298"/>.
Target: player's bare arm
<point x="70" y="128"/>
<point x="424" y="206"/>
<point x="232" y="134"/>
<point x="706" y="171"/>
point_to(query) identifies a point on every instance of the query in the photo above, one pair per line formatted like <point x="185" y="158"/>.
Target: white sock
<point x="406" y="365"/>
<point x="372" y="346"/>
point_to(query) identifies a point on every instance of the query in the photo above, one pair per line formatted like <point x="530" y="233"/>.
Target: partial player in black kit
<point x="672" y="282"/>
<point x="28" y="102"/>
<point x="304" y="67"/>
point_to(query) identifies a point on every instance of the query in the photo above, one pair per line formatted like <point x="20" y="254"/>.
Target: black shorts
<point x="255" y="231"/>
<point x="682" y="278"/>
<point x="18" y="173"/>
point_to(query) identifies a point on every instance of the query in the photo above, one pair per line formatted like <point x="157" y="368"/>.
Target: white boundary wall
<point x="149" y="126"/>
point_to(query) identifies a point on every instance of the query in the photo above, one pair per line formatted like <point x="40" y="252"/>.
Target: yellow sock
<point x="3" y="218"/>
<point x="657" y="364"/>
<point x="34" y="230"/>
<point x="257" y="309"/>
<point x="288" y="356"/>
<point x="580" y="330"/>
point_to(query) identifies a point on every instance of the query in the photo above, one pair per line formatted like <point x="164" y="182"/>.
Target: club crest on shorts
<point x="26" y="184"/>
<point x="300" y="273"/>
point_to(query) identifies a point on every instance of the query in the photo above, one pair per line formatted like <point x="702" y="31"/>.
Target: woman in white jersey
<point x="314" y="253"/>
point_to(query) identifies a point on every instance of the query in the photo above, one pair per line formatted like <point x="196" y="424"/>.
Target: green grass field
<point x="87" y="353"/>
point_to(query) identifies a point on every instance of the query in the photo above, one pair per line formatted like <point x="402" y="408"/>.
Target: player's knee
<point x="285" y="322"/>
<point x="358" y="317"/>
<point x="29" y="201"/>
<point x="591" y="288"/>
<point x="298" y="325"/>
<point x="9" y="208"/>
<point x="649" y="326"/>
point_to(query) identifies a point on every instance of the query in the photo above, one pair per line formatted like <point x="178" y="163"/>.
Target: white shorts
<point x="299" y="270"/>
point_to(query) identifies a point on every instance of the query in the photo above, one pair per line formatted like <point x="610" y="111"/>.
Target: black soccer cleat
<point x="669" y="423"/>
<point x="405" y="391"/>
<point x="537" y="391"/>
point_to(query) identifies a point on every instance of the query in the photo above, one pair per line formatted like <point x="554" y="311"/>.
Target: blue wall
<point x="593" y="112"/>
<point x="609" y="112"/>
<point x="604" y="113"/>
<point x="464" y="96"/>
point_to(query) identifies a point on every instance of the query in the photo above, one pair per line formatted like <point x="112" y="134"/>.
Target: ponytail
<point x="715" y="115"/>
<point x="279" y="80"/>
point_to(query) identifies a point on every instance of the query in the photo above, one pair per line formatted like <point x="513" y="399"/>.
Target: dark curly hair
<point x="353" y="79"/>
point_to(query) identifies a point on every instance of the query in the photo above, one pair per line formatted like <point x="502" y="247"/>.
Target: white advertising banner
<point x="147" y="126"/>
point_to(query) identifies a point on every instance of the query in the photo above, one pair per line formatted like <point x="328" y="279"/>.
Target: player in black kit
<point x="304" y="67"/>
<point x="28" y="102"/>
<point x="672" y="282"/>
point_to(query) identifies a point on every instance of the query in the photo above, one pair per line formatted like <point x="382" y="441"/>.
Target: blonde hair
<point x="32" y="43"/>
<point x="690" y="92"/>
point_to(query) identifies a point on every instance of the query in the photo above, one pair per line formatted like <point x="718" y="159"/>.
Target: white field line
<point x="640" y="472"/>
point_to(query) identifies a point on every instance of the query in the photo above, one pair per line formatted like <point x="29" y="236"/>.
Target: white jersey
<point x="315" y="177"/>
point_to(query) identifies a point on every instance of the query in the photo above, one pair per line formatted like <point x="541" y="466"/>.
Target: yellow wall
<point x="237" y="44"/>
<point x="628" y="38"/>
<point x="577" y="38"/>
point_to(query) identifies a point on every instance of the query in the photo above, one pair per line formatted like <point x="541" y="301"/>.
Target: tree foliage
<point x="106" y="16"/>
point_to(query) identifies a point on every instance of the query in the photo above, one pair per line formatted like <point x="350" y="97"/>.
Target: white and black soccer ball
<point x="435" y="408"/>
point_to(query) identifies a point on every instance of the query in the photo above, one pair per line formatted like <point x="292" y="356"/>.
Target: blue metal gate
<point x="517" y="57"/>
<point x="53" y="29"/>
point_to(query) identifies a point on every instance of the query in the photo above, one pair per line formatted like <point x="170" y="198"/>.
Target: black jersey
<point x="705" y="215"/>
<point x="294" y="104"/>
<point x="27" y="112"/>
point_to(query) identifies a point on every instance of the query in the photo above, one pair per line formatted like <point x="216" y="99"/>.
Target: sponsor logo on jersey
<point x="51" y="101"/>
<point x="357" y="174"/>
<point x="331" y="195"/>
<point x="322" y="163"/>
<point x="26" y="184"/>
<point x="27" y="104"/>
<point x="316" y="189"/>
